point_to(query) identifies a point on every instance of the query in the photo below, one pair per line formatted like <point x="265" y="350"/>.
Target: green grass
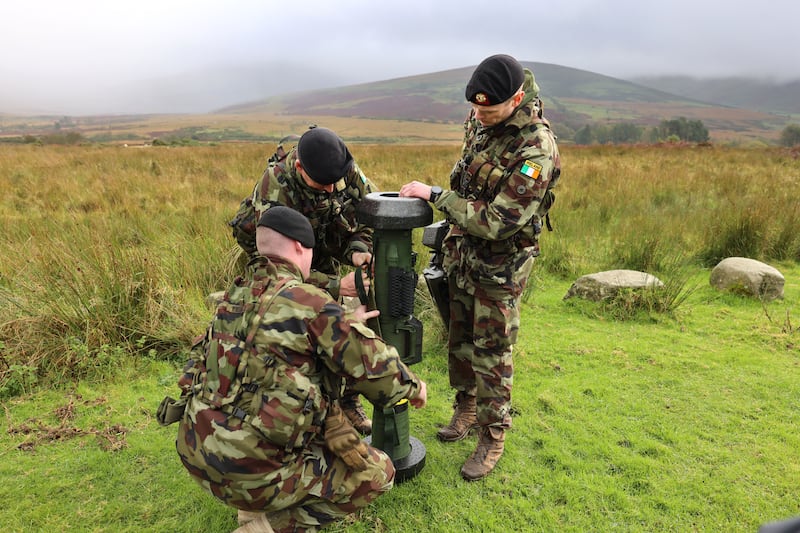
<point x="687" y="423"/>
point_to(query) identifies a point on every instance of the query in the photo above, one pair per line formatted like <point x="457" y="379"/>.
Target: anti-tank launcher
<point x="394" y="281"/>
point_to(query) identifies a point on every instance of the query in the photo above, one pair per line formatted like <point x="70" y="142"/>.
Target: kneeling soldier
<point x="263" y="430"/>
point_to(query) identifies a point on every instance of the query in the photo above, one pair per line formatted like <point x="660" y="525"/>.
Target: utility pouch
<point x="435" y="278"/>
<point x="170" y="411"/>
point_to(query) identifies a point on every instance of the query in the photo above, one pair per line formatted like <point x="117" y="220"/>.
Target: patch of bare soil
<point x="36" y="432"/>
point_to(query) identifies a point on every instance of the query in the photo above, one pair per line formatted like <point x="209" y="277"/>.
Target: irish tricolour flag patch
<point x="531" y="169"/>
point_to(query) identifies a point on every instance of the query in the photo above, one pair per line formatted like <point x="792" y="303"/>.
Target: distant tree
<point x="584" y="135"/>
<point x="564" y="132"/>
<point x="685" y="130"/>
<point x="697" y="132"/>
<point x="652" y="135"/>
<point x="602" y="134"/>
<point x="69" y="137"/>
<point x="625" y="132"/>
<point x="790" y="136"/>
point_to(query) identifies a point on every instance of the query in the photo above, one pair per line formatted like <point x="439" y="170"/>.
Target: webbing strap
<point x="262" y="309"/>
<point x="362" y="292"/>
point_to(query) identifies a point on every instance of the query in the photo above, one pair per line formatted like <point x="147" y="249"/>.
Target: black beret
<point x="290" y="223"/>
<point x="324" y="155"/>
<point x="495" y="80"/>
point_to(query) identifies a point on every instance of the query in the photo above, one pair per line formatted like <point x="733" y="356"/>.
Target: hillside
<point x="572" y="97"/>
<point x="439" y="96"/>
<point x="430" y="108"/>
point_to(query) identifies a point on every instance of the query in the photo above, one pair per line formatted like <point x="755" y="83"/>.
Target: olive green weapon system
<point x="394" y="281"/>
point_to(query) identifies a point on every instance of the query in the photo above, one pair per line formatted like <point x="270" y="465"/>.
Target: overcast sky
<point x="54" y="51"/>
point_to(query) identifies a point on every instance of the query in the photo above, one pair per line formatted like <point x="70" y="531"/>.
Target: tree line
<point x="675" y="130"/>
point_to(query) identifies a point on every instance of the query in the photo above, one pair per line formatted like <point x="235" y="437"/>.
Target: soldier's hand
<point x="416" y="189"/>
<point x="347" y="285"/>
<point x="342" y="439"/>
<point x="356" y="457"/>
<point x="361" y="314"/>
<point x="361" y="258"/>
<point x="421" y="399"/>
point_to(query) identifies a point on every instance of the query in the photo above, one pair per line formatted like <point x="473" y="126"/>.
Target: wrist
<point x="333" y="287"/>
<point x="436" y="192"/>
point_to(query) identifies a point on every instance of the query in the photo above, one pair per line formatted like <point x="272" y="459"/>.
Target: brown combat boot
<point x="354" y="411"/>
<point x="260" y="524"/>
<point x="465" y="417"/>
<point x="485" y="457"/>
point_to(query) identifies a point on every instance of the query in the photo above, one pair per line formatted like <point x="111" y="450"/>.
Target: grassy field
<point x="625" y="419"/>
<point x="728" y="126"/>
<point x="268" y="126"/>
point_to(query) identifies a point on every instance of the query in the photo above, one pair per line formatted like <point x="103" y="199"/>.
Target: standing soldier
<point x="262" y="430"/>
<point x="499" y="197"/>
<point x="319" y="179"/>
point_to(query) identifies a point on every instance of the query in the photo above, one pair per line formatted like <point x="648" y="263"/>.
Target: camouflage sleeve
<point x="327" y="283"/>
<point x="250" y="209"/>
<point x="361" y="239"/>
<point x="266" y="193"/>
<point x="355" y="352"/>
<point x="515" y="202"/>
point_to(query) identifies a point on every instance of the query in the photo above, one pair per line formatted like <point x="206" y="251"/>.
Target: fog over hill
<point x="192" y="92"/>
<point x="759" y="94"/>
<point x="88" y="57"/>
<point x="209" y="90"/>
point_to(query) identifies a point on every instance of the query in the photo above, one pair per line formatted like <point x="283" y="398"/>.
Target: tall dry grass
<point x="109" y="252"/>
<point x="641" y="207"/>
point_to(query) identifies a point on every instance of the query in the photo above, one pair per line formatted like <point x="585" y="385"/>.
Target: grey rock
<point x="602" y="285"/>
<point x="749" y="277"/>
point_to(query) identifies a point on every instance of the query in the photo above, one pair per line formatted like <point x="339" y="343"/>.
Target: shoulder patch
<point x="531" y="169"/>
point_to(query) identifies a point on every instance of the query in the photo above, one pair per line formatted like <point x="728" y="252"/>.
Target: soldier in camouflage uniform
<point x="319" y="178"/>
<point x="499" y="197"/>
<point x="262" y="430"/>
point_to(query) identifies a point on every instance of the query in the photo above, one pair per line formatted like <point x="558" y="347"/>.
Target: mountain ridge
<point x="572" y="98"/>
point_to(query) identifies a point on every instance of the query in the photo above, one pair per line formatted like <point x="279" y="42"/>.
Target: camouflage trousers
<point x="303" y="491"/>
<point x="483" y="330"/>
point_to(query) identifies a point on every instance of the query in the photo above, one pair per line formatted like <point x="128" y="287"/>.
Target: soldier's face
<point x="492" y="115"/>
<point x="311" y="183"/>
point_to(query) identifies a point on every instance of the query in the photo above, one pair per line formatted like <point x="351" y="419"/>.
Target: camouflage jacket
<point x="495" y="205"/>
<point x="247" y="411"/>
<point x="333" y="216"/>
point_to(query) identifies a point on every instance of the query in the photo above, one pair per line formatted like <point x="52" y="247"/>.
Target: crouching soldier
<point x="262" y="429"/>
<point x="317" y="176"/>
